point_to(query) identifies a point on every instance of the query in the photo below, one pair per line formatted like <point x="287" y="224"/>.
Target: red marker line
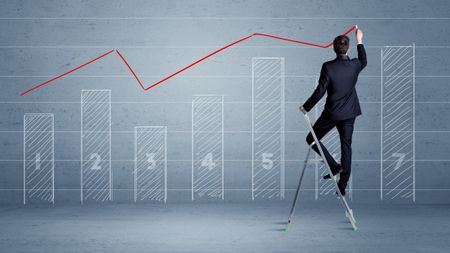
<point x="185" y="68"/>
<point x="196" y="62"/>
<point x="66" y="73"/>
<point x="129" y="67"/>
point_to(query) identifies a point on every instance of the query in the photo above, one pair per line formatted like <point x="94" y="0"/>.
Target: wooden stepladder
<point x="348" y="211"/>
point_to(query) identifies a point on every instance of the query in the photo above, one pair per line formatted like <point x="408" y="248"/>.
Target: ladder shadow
<point x="279" y="223"/>
<point x="277" y="229"/>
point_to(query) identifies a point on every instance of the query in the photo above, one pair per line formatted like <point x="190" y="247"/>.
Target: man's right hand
<point x="359" y="35"/>
<point x="301" y="109"/>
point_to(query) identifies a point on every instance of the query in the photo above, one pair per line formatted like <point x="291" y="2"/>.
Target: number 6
<point x="267" y="161"/>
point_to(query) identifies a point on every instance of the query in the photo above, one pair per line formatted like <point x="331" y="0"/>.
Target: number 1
<point x="38" y="161"/>
<point x="151" y="160"/>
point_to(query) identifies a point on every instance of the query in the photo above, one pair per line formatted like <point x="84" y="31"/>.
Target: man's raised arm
<point x="360" y="47"/>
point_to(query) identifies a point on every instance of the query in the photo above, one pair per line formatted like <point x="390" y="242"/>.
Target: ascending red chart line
<point x="181" y="70"/>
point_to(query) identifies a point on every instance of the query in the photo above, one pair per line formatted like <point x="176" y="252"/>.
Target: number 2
<point x="97" y="161"/>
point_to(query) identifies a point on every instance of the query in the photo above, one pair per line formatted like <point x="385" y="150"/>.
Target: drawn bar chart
<point x="398" y="122"/>
<point x="150" y="169"/>
<point x="96" y="174"/>
<point x="268" y="128"/>
<point x="38" y="155"/>
<point x="207" y="146"/>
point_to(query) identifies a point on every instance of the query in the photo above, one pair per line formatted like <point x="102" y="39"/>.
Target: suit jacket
<point x="338" y="78"/>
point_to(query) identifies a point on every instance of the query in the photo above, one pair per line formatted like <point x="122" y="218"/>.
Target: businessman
<point x="338" y="79"/>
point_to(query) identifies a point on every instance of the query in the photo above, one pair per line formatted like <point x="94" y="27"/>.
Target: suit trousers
<point x="324" y="125"/>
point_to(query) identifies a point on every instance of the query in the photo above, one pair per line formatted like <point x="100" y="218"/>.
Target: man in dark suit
<point x="338" y="78"/>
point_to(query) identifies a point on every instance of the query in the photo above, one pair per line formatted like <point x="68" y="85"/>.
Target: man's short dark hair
<point x="340" y="44"/>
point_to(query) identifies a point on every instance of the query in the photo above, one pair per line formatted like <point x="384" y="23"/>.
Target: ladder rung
<point x="315" y="160"/>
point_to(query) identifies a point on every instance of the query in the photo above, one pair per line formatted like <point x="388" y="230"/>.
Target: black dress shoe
<point x="327" y="176"/>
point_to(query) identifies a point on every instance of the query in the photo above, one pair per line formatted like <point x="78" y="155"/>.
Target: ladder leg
<point x="344" y="203"/>
<point x="298" y="189"/>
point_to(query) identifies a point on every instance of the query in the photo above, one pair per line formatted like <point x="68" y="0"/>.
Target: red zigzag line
<point x="183" y="69"/>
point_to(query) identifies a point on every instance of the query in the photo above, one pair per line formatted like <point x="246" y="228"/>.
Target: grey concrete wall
<point x="41" y="39"/>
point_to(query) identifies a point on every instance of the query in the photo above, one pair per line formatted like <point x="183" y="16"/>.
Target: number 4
<point x="208" y="161"/>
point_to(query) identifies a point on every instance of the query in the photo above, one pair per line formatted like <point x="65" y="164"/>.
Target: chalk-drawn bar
<point x="398" y="123"/>
<point x="207" y="146"/>
<point x="150" y="170"/>
<point x="268" y="128"/>
<point x="96" y="175"/>
<point x="38" y="166"/>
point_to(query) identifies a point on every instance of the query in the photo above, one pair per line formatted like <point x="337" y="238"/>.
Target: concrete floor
<point x="254" y="227"/>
